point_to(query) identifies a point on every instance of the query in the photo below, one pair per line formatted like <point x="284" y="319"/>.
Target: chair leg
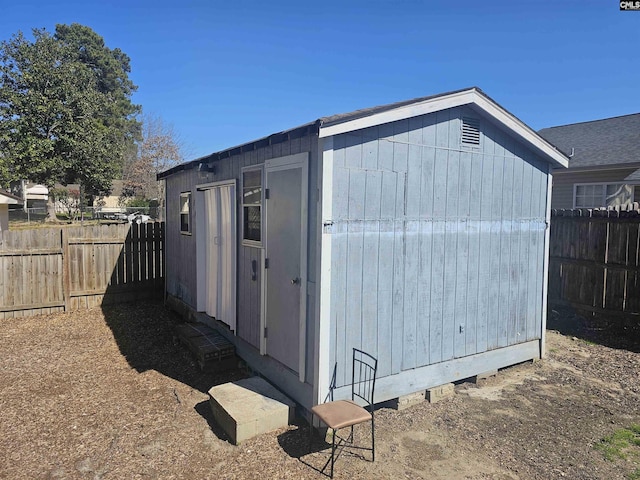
<point x="333" y="450"/>
<point x="373" y="441"/>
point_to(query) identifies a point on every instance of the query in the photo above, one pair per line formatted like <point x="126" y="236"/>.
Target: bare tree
<point x="159" y="149"/>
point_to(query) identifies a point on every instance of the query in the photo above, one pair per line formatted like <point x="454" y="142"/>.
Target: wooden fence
<point x="594" y="262"/>
<point x="49" y="270"/>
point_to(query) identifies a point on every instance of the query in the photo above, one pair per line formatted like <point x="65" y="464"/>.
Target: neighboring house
<point x="604" y="165"/>
<point x="32" y="195"/>
<point x="416" y="231"/>
<point x="112" y="201"/>
<point x="7" y="199"/>
<point x="36" y="195"/>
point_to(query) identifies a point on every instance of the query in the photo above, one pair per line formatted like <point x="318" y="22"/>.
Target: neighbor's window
<point x="252" y="205"/>
<point x="185" y="215"/>
<point x="600" y="195"/>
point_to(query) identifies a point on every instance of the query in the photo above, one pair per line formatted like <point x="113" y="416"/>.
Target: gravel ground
<point x="105" y="393"/>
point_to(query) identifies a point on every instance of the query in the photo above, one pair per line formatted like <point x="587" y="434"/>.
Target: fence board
<point x="128" y="264"/>
<point x="159" y="248"/>
<point x="595" y="261"/>
<point x="66" y="268"/>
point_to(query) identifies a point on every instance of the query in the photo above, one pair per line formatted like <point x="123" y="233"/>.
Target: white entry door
<point x="217" y="253"/>
<point x="286" y="260"/>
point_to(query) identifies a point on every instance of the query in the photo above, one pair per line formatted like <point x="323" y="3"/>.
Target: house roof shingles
<point x="610" y="141"/>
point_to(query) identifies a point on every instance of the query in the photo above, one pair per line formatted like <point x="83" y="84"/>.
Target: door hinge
<point x="265" y="332"/>
<point x="266" y="194"/>
<point x="266" y="263"/>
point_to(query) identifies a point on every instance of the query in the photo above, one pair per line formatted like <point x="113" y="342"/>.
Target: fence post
<point x="66" y="284"/>
<point x="606" y="261"/>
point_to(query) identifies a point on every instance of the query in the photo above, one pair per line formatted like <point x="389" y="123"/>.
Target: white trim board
<point x="429" y="376"/>
<point x="545" y="267"/>
<point x="322" y="367"/>
<point x="466" y="97"/>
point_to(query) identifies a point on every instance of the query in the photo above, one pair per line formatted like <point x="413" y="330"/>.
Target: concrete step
<point x="250" y="407"/>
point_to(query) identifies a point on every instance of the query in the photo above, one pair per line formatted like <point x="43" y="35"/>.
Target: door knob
<point x="295" y="281"/>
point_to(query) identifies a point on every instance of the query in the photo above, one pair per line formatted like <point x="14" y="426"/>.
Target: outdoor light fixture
<point x="206" y="168"/>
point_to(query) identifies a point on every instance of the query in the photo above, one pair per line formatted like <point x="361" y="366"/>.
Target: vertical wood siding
<point x="437" y="249"/>
<point x="181" y="249"/>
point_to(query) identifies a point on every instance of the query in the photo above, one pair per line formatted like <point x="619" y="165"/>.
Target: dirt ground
<point x="106" y="393"/>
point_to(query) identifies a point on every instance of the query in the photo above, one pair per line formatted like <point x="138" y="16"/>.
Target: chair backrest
<point x="332" y="385"/>
<point x="363" y="379"/>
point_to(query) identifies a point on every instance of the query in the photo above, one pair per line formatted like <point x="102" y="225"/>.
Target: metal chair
<point x="340" y="414"/>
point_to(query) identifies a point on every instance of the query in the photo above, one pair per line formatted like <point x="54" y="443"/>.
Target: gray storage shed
<point x="416" y="231"/>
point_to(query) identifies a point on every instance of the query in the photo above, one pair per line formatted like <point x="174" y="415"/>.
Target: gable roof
<point x="610" y="141"/>
<point x="473" y="96"/>
<point x="346" y="122"/>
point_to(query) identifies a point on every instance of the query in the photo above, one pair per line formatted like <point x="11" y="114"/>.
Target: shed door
<point x="220" y="253"/>
<point x="286" y="256"/>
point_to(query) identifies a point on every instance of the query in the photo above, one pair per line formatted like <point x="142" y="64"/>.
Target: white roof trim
<point x="522" y="130"/>
<point x="400" y="113"/>
<point x="466" y="97"/>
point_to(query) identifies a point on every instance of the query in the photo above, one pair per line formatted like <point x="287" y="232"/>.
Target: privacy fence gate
<point x="49" y="270"/>
<point x="594" y="262"/>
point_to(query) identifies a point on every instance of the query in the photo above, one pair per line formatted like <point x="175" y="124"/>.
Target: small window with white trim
<point x="602" y="195"/>
<point x="252" y="201"/>
<point x="185" y="213"/>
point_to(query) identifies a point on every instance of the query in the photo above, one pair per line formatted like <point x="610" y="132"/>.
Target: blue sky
<point x="223" y="73"/>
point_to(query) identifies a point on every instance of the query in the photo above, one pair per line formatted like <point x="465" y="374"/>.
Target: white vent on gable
<point x="470" y="131"/>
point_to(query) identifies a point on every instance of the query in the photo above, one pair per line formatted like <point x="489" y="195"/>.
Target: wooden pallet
<point x="211" y="349"/>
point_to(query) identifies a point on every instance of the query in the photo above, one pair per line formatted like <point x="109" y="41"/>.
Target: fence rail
<point x="594" y="262"/>
<point x="49" y="270"/>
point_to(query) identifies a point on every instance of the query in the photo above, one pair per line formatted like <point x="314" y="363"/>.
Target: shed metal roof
<point x="610" y="141"/>
<point x="363" y="118"/>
